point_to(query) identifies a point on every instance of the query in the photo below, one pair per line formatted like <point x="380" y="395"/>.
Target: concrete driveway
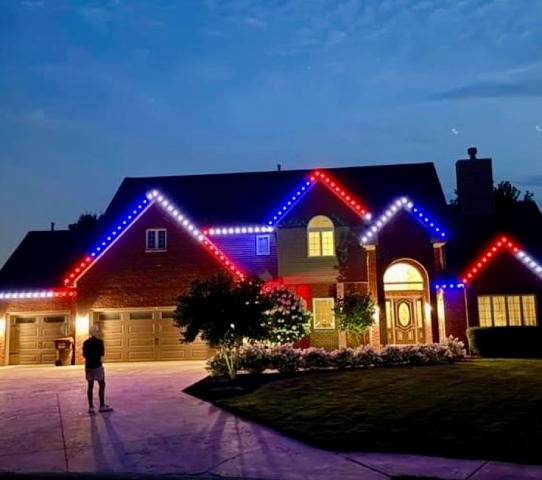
<point x="157" y="429"/>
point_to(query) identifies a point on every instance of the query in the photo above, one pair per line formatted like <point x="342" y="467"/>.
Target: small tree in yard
<point x="224" y="313"/>
<point x="288" y="320"/>
<point x="355" y="313"/>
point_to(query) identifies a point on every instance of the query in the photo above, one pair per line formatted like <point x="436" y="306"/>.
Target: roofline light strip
<point x="496" y="246"/>
<point x="408" y="205"/>
<point x="291" y="201"/>
<point x="340" y="192"/>
<point x="451" y="286"/>
<point x="82" y="266"/>
<point x="39" y="294"/>
<point x="238" y="230"/>
<point x="155" y="195"/>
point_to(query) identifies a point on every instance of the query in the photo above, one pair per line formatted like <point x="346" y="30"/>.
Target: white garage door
<point x="32" y="338"/>
<point x="143" y="336"/>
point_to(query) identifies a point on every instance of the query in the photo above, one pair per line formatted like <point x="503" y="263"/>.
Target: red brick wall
<point x="455" y="314"/>
<point x="127" y="276"/>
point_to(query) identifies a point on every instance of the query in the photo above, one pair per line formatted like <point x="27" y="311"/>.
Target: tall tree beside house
<point x="86" y="222"/>
<point x="504" y="194"/>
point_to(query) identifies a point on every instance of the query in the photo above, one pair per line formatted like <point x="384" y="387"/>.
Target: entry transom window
<point x="507" y="310"/>
<point x="156" y="239"/>
<point x="323" y="314"/>
<point x="402" y="276"/>
<point x="321" y="237"/>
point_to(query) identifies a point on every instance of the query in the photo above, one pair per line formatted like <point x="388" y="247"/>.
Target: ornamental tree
<point x="288" y="320"/>
<point x="355" y="313"/>
<point x="224" y="313"/>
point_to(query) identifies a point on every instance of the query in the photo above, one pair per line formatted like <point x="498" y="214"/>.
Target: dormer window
<point x="321" y="237"/>
<point x="156" y="239"/>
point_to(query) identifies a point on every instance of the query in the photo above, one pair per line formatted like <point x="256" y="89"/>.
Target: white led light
<point x="160" y="198"/>
<point x="149" y="196"/>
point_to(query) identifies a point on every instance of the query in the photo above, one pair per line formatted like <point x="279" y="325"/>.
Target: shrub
<point x="254" y="358"/>
<point x="342" y="358"/>
<point x="314" y="358"/>
<point x="286" y="359"/>
<point x="506" y="342"/>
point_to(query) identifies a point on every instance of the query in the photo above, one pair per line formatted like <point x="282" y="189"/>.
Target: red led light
<point x="341" y="193"/>
<point x="499" y="244"/>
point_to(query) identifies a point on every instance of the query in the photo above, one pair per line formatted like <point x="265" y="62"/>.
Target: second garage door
<point x="143" y="336"/>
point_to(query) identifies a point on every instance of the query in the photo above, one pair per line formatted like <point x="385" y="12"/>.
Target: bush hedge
<point x="286" y="359"/>
<point x="506" y="342"/>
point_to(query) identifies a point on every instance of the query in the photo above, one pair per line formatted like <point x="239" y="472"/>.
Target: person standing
<point x="93" y="351"/>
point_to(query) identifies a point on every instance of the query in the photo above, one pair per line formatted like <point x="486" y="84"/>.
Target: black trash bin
<point x="64" y="351"/>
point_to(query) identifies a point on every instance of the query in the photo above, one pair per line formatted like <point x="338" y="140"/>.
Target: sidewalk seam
<point x="476" y="470"/>
<point x="62" y="431"/>
<point x="362" y="464"/>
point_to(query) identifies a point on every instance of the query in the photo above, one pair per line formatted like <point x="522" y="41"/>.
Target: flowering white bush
<point x="289" y="318"/>
<point x="315" y="359"/>
<point x="342" y="358"/>
<point x="366" y="356"/>
<point x="254" y="358"/>
<point x="286" y="359"/>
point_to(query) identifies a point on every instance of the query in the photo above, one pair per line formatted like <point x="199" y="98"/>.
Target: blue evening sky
<point x="91" y="92"/>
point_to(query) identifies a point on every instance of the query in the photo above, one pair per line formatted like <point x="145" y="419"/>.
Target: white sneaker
<point x="106" y="408"/>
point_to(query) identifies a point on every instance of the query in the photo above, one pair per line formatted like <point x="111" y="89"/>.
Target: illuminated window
<point x="156" y="239"/>
<point x="321" y="237"/>
<point x="507" y="310"/>
<point x="263" y="245"/>
<point x="403" y="276"/>
<point x="323" y="314"/>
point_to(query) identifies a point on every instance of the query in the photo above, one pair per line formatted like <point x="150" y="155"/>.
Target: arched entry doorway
<point x="405" y="288"/>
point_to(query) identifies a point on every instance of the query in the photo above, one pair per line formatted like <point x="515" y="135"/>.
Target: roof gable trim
<point x="319" y="176"/>
<point x="151" y="198"/>
<point x="498" y="245"/>
<point x="394" y="208"/>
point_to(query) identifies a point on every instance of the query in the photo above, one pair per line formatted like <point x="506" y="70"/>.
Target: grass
<point x="483" y="409"/>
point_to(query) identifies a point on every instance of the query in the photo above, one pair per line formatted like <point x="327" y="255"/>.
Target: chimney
<point x="475" y="184"/>
<point x="52" y="226"/>
<point x="279" y="167"/>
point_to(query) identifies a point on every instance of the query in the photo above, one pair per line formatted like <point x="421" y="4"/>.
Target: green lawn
<point x="485" y="409"/>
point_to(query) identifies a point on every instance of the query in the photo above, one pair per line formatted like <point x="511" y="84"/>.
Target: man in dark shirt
<point x="93" y="351"/>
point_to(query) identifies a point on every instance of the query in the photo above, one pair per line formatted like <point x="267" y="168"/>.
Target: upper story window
<point x="156" y="239"/>
<point x="321" y="237"/>
<point x="263" y="245"/>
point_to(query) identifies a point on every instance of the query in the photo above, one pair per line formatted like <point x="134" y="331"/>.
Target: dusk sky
<point x="91" y="92"/>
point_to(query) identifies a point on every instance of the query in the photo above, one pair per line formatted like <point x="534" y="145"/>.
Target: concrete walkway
<point x="157" y="429"/>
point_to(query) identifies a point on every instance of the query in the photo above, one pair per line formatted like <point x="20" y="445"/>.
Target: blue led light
<point x="391" y="211"/>
<point x="451" y="286"/>
<point x="291" y="201"/>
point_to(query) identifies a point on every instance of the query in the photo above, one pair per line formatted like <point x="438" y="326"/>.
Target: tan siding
<point x="295" y="266"/>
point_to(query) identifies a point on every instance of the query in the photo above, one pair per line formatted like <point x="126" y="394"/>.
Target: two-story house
<point x="383" y="230"/>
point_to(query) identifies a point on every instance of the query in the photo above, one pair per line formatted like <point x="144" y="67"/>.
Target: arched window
<point x="403" y="276"/>
<point x="321" y="237"/>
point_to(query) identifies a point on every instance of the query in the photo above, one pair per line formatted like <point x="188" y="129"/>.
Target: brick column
<point x="375" y="335"/>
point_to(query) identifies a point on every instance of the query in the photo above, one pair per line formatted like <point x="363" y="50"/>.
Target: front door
<point x="404" y="318"/>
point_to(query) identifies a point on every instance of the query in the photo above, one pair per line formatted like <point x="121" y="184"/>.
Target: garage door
<point x="144" y="336"/>
<point x="32" y="338"/>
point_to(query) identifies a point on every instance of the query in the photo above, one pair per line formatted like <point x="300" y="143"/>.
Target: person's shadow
<point x="116" y="444"/>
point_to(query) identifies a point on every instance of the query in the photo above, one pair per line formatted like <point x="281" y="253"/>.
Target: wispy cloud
<point x="33" y="4"/>
<point x="255" y="22"/>
<point x="528" y="88"/>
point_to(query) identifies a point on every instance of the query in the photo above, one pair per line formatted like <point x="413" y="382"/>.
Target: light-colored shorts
<point x="97" y="374"/>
